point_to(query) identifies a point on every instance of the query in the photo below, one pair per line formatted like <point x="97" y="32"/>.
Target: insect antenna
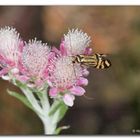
<point x="88" y="98"/>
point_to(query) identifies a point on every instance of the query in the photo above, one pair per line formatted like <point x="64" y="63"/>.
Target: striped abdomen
<point x="98" y="61"/>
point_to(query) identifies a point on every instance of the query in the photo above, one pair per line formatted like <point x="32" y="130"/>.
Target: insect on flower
<point x="68" y="67"/>
<point x="98" y="61"/>
<point x="62" y="79"/>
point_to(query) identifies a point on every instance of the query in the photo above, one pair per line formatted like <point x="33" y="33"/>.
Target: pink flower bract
<point x="10" y="44"/>
<point x="35" y="58"/>
<point x="76" y="42"/>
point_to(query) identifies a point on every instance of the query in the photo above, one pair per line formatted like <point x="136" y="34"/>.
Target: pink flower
<point x="10" y="44"/>
<point x="65" y="79"/>
<point x="34" y="59"/>
<point x="75" y="42"/>
<point x="34" y="63"/>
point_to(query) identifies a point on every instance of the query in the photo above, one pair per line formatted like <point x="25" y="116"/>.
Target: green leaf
<point x="19" y="84"/>
<point x="54" y="107"/>
<point x="30" y="96"/>
<point x="21" y="98"/>
<point x="58" y="111"/>
<point x="62" y="111"/>
<point x="59" y="129"/>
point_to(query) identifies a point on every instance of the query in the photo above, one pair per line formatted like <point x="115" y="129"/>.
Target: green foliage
<point x="58" y="111"/>
<point x="59" y="129"/>
<point x="20" y="97"/>
<point x="38" y="101"/>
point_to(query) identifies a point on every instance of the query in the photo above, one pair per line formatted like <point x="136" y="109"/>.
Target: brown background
<point x="115" y="108"/>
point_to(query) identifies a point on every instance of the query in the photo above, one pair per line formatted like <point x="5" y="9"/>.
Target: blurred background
<point x="114" y="30"/>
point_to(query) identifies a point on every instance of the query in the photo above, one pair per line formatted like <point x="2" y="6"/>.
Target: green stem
<point x="31" y="98"/>
<point x="50" y="115"/>
<point x="44" y="100"/>
<point x="49" y="126"/>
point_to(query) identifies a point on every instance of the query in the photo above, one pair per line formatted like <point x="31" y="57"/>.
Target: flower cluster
<point x="35" y="63"/>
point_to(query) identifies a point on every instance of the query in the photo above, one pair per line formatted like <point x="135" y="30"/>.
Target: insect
<point x="98" y="61"/>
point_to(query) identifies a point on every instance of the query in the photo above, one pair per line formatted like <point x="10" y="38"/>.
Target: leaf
<point x="59" y="129"/>
<point x="58" y="111"/>
<point x="20" y="84"/>
<point x="21" y="98"/>
<point x="62" y="111"/>
<point x="30" y="96"/>
<point x="54" y="107"/>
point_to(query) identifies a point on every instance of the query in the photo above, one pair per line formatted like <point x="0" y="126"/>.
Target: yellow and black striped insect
<point x="98" y="61"/>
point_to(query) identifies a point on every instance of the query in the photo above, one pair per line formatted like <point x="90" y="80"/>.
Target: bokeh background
<point x="114" y="30"/>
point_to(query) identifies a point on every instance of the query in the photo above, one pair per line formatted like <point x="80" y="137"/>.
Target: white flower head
<point x="64" y="74"/>
<point x="76" y="41"/>
<point x="66" y="78"/>
<point x="9" y="43"/>
<point x="35" y="57"/>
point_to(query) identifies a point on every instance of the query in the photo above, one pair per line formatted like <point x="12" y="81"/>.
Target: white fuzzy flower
<point x="66" y="78"/>
<point x="9" y="44"/>
<point x="64" y="74"/>
<point x="76" y="41"/>
<point x="35" y="57"/>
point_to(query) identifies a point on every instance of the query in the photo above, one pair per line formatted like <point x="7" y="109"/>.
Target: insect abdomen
<point x="96" y="60"/>
<point x="102" y="62"/>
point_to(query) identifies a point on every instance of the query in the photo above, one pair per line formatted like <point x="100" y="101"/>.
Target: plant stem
<point x="49" y="127"/>
<point x="50" y="114"/>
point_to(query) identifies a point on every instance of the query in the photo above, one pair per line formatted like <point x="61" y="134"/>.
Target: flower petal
<point x="5" y="77"/>
<point x="77" y="90"/>
<point x="88" y="51"/>
<point x="49" y="83"/>
<point x="15" y="70"/>
<point x="85" y="72"/>
<point x="21" y="45"/>
<point x="68" y="99"/>
<point x="4" y="71"/>
<point x="63" y="49"/>
<point x="39" y="82"/>
<point x="54" y="49"/>
<point x="53" y="92"/>
<point x="22" y="78"/>
<point x="82" y="81"/>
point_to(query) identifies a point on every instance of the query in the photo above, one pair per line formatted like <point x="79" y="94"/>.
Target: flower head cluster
<point x="36" y="62"/>
<point x="10" y="50"/>
<point x="35" y="57"/>
<point x="9" y="44"/>
<point x="76" y="42"/>
<point x="65" y="79"/>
